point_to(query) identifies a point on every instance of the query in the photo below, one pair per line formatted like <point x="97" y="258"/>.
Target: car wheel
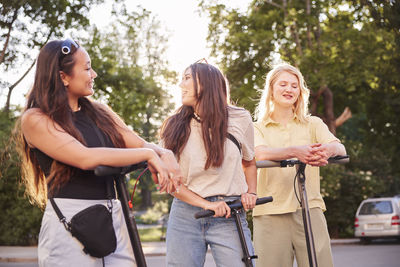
<point x="365" y="240"/>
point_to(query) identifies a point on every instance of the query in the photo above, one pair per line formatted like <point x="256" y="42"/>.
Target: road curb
<point x="22" y="260"/>
<point x="18" y="259"/>
<point x="345" y="241"/>
<point x="27" y="254"/>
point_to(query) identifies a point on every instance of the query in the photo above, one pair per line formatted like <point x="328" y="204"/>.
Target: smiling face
<point x="80" y="82"/>
<point x="188" y="91"/>
<point x="286" y="90"/>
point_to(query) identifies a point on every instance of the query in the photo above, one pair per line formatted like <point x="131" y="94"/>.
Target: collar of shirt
<point x="269" y="120"/>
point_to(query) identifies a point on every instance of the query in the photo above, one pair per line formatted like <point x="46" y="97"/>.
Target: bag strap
<point x="235" y="141"/>
<point x="60" y="215"/>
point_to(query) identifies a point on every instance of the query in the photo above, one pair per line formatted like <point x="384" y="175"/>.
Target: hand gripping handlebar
<point x="232" y="205"/>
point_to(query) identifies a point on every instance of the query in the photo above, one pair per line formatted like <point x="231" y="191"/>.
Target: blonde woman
<point x="285" y="130"/>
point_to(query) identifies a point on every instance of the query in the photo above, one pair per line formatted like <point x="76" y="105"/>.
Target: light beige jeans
<point x="279" y="238"/>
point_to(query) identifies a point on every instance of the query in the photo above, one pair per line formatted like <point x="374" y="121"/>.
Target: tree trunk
<point x="308" y="12"/>
<point x="328" y="108"/>
<point x="11" y="88"/>
<point x="146" y="192"/>
<point x="296" y="38"/>
<point x="346" y="114"/>
<point x="10" y="24"/>
<point x="147" y="179"/>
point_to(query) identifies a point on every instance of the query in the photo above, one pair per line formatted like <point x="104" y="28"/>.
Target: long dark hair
<point x="50" y="95"/>
<point x="211" y="90"/>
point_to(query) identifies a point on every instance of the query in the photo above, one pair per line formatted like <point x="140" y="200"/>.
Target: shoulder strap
<point x="235" y="141"/>
<point x="60" y="215"/>
<point x="57" y="210"/>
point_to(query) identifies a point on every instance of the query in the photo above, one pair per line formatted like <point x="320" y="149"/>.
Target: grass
<point x="154" y="234"/>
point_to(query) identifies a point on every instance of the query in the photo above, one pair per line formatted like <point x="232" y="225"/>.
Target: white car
<point x="378" y="218"/>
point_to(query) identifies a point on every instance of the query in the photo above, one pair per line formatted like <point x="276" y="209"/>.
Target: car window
<point x="377" y="207"/>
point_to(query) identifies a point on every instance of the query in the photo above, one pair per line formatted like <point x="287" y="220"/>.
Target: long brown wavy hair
<point x="212" y="94"/>
<point x="50" y="95"/>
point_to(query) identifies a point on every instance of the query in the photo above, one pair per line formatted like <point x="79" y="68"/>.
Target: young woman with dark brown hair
<point x="214" y="170"/>
<point x="65" y="135"/>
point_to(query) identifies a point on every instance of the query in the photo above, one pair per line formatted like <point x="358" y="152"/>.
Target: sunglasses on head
<point x="66" y="46"/>
<point x="203" y="60"/>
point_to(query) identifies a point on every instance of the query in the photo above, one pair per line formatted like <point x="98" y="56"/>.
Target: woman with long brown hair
<point x="214" y="170"/>
<point x="65" y="135"/>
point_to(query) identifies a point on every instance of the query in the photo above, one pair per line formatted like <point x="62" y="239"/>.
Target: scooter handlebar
<point x="107" y="170"/>
<point x="234" y="205"/>
<point x="285" y="163"/>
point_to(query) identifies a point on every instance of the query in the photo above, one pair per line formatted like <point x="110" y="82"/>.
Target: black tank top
<point x="83" y="184"/>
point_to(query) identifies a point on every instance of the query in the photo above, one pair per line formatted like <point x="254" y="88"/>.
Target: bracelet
<point x="253" y="193"/>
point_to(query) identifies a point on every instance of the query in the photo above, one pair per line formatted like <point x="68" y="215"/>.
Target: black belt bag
<point x="93" y="227"/>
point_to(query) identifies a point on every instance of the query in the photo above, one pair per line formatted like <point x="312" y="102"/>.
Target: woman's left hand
<point x="320" y="155"/>
<point x="248" y="201"/>
<point x="175" y="175"/>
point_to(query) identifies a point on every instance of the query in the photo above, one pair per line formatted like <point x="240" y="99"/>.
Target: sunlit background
<point x="347" y="50"/>
<point x="180" y="19"/>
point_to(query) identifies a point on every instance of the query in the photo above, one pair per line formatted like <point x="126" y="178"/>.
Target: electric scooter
<point x="301" y="179"/>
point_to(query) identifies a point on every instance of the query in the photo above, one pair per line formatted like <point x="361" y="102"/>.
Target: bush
<point x="19" y="220"/>
<point x="156" y="213"/>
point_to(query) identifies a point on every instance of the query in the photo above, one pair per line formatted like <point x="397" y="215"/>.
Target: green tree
<point x="384" y="105"/>
<point x="27" y="25"/>
<point x="19" y="220"/>
<point x="345" y="51"/>
<point x="131" y="75"/>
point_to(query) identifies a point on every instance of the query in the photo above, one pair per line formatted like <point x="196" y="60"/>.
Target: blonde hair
<point x="266" y="106"/>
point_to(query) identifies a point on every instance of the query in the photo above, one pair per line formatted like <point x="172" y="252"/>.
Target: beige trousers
<point x="279" y="238"/>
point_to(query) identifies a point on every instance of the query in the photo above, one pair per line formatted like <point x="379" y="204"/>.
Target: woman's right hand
<point x="158" y="170"/>
<point x="304" y="153"/>
<point x="220" y="208"/>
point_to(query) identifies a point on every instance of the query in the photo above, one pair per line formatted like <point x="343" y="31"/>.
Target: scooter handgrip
<point x="264" y="200"/>
<point x="339" y="159"/>
<point x="107" y="170"/>
<point x="204" y="213"/>
<point x="267" y="164"/>
<point x="235" y="205"/>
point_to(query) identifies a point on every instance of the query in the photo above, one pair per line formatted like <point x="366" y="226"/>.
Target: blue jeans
<point x="188" y="238"/>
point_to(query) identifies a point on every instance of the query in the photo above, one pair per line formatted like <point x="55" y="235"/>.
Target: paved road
<point x="381" y="253"/>
<point x="377" y="254"/>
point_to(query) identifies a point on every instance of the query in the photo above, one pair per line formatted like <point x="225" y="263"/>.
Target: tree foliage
<point x="28" y="24"/>
<point x="132" y="75"/>
<point x="348" y="52"/>
<point x="19" y="220"/>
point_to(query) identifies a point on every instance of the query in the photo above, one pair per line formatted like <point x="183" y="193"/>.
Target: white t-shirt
<point x="229" y="179"/>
